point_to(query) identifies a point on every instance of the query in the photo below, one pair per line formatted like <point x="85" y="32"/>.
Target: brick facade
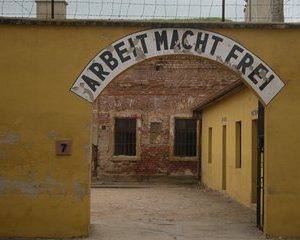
<point x="157" y="90"/>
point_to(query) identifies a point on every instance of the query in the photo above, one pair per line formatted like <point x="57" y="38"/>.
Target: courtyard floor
<point x="169" y="212"/>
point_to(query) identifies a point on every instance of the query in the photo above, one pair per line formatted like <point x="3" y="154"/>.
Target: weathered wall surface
<point x="39" y="191"/>
<point x="239" y="107"/>
<point x="157" y="90"/>
<point x="42" y="194"/>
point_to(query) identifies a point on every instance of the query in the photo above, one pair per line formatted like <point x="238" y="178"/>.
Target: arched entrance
<point x="135" y="48"/>
<point x="159" y="96"/>
<point x="39" y="111"/>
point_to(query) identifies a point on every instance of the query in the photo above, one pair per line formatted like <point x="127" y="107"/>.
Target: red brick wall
<point x="155" y="90"/>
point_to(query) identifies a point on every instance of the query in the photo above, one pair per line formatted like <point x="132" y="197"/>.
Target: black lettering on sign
<point x="132" y="46"/>
<point x="142" y="39"/>
<point x="201" y="42"/>
<point x="246" y="62"/>
<point x="90" y="82"/>
<point x="184" y="39"/>
<point x="266" y="82"/>
<point x="255" y="73"/>
<point x="109" y="60"/>
<point x="98" y="70"/>
<point x="232" y="53"/>
<point x="121" y="52"/>
<point x="175" y="40"/>
<point x="161" y="39"/>
<point x="64" y="147"/>
<point x="217" y="40"/>
<point x="260" y="71"/>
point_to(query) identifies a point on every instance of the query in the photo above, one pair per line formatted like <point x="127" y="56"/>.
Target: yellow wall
<point x="238" y="107"/>
<point x="42" y="194"/>
<point x="45" y="195"/>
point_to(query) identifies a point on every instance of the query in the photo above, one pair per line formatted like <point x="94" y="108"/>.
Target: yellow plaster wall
<point x="279" y="48"/>
<point x="45" y="195"/>
<point x="238" y="107"/>
<point x="42" y="194"/>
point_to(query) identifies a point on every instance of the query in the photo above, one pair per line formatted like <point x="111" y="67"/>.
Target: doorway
<point x="260" y="167"/>
<point x="254" y="162"/>
<point x="224" y="157"/>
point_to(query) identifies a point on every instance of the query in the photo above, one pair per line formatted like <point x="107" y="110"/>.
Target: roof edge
<point x="223" y="93"/>
<point x="150" y="23"/>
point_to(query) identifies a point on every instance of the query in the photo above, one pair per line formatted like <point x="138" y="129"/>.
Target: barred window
<point x="185" y="137"/>
<point x="125" y="136"/>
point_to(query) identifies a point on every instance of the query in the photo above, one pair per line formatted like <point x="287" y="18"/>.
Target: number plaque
<point x="63" y="147"/>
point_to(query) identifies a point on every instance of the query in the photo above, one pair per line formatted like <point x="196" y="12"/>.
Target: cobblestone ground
<point x="169" y="212"/>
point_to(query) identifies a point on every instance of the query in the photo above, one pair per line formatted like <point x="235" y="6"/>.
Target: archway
<point x="159" y="95"/>
<point x="132" y="49"/>
<point x="135" y="48"/>
<point x="134" y="95"/>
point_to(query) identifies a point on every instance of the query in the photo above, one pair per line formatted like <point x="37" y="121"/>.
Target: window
<point x="238" y="144"/>
<point x="185" y="137"/>
<point x="224" y="157"/>
<point x="125" y="136"/>
<point x="210" y="145"/>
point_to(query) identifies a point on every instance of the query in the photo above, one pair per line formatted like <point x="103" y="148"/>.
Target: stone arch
<point x="136" y="47"/>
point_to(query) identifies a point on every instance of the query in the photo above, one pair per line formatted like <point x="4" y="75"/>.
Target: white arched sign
<point x="132" y="49"/>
